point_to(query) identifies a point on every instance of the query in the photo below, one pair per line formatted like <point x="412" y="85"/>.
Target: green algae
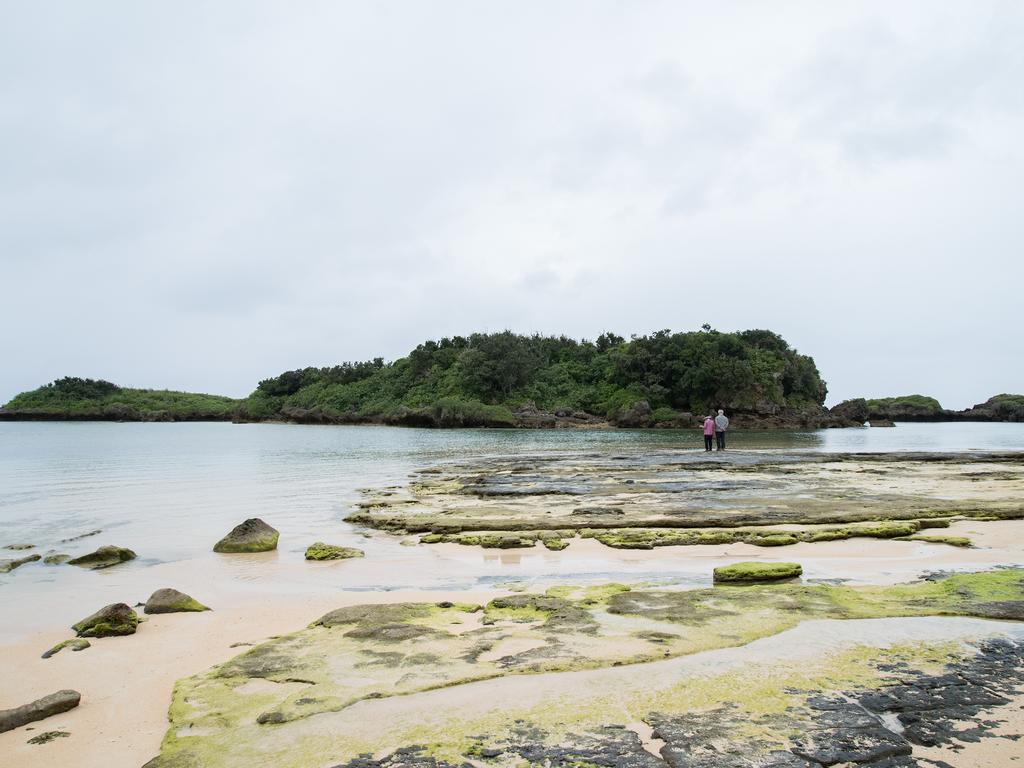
<point x="320" y="551"/>
<point x="953" y="541"/>
<point x="751" y="571"/>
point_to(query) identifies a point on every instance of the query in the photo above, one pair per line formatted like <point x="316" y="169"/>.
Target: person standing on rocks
<point x="721" y="424"/>
<point x="709" y="431"/>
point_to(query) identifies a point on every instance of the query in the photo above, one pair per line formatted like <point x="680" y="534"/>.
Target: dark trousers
<point x="720" y="437"/>
<point x="707" y="442"/>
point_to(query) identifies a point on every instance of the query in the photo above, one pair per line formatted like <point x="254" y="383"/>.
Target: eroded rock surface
<point x="644" y="500"/>
<point x="363" y="655"/>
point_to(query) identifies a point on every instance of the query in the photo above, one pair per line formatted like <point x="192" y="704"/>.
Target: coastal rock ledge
<point x="253" y="535"/>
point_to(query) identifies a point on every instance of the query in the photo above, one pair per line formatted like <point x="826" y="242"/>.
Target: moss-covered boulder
<point x="172" y="601"/>
<point x="110" y="621"/>
<point x="321" y="551"/>
<point x="104" y="557"/>
<point x="75" y="644"/>
<point x="752" y="571"/>
<point x="253" y="535"/>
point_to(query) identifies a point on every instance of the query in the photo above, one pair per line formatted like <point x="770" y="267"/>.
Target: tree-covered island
<point x="505" y="379"/>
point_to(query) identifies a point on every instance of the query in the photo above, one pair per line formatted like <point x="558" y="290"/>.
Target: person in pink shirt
<point x="709" y="432"/>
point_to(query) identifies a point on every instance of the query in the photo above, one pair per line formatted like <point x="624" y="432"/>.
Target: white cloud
<point x="201" y="196"/>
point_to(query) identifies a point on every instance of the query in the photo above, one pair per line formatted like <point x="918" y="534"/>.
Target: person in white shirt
<point x="721" y="424"/>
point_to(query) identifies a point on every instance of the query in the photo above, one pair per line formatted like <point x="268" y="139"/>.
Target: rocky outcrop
<point x="1003" y="407"/>
<point x="321" y="551"/>
<point x="54" y="704"/>
<point x="636" y="415"/>
<point x="998" y="408"/>
<point x="104" y="557"/>
<point x="854" y="411"/>
<point x="169" y="600"/>
<point x="253" y="535"/>
<point x="110" y="621"/>
<point x="56" y="558"/>
<point x="6" y="566"/>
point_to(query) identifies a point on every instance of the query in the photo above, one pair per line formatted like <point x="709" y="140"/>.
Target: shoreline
<point x="759" y="422"/>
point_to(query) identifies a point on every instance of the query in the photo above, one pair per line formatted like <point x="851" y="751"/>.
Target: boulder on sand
<point x="54" y="704"/>
<point x="172" y="601"/>
<point x="109" y="621"/>
<point x="321" y="551"/>
<point x="104" y="557"/>
<point x="6" y="566"/>
<point x="253" y="535"/>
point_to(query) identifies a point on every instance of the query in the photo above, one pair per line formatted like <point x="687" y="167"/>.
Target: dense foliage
<point x="90" y="398"/>
<point x="905" y="405"/>
<point x="493" y="374"/>
<point x="1007" y="407"/>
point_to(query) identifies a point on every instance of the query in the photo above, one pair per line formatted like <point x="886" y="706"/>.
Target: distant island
<point x="505" y="379"/>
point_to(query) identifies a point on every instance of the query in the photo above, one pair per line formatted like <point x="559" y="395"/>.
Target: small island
<point x="665" y="379"/>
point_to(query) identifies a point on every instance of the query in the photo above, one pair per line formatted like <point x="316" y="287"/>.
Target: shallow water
<point x="169" y="491"/>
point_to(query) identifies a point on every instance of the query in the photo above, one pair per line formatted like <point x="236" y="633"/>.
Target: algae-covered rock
<point x="253" y="535"/>
<point x="774" y="540"/>
<point x="54" y="704"/>
<point x="56" y="558"/>
<point x="555" y="545"/>
<point x="109" y="621"/>
<point x="321" y="551"/>
<point x="752" y="571"/>
<point x="104" y="557"/>
<point x="953" y="541"/>
<point x="75" y="644"/>
<point x="172" y="601"/>
<point x="47" y="736"/>
<point x="20" y="547"/>
<point x="6" y="566"/>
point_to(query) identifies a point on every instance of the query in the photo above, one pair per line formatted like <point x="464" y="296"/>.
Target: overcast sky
<point x="199" y="195"/>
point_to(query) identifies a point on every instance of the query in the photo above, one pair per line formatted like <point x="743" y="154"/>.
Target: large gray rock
<point x="172" y="601"/>
<point x="110" y="621"/>
<point x="54" y="704"/>
<point x="253" y="535"/>
<point x="104" y="557"/>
